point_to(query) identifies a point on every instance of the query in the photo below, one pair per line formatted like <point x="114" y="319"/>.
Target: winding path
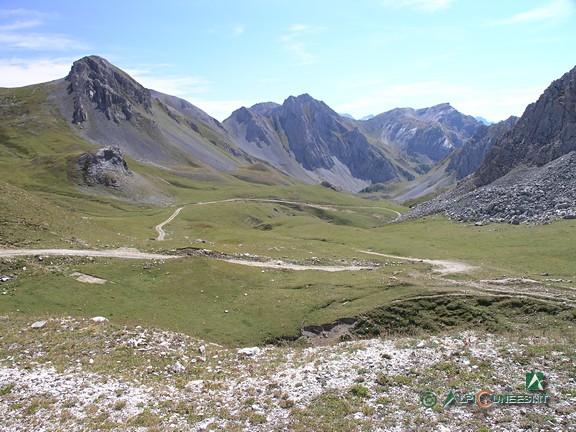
<point x="303" y="204"/>
<point x="446" y="267"/>
<point x="130" y="253"/>
<point x="126" y="253"/>
<point x="288" y="266"/>
<point x="160" y="226"/>
<point x="162" y="233"/>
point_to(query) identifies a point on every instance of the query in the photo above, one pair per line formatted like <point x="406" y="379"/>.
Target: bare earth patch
<point x="84" y="278"/>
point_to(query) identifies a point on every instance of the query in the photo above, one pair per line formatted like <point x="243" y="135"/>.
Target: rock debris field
<point x="90" y="374"/>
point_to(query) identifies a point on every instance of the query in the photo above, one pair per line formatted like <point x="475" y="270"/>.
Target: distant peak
<point x="264" y="107"/>
<point x="441" y="107"/>
<point x="303" y="98"/>
<point x="93" y="59"/>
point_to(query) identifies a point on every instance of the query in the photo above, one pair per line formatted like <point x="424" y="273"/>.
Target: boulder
<point x="249" y="351"/>
<point x="39" y="324"/>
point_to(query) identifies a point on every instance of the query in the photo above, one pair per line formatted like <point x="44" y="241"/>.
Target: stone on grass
<point x="39" y="324"/>
<point x="249" y="351"/>
<point x="177" y="367"/>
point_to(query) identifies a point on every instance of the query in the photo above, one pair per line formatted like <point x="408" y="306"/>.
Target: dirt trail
<point x="303" y="204"/>
<point x="287" y="266"/>
<point x="446" y="267"/>
<point x="126" y="253"/>
<point x="130" y="253"/>
<point x="159" y="227"/>
<point x="162" y="233"/>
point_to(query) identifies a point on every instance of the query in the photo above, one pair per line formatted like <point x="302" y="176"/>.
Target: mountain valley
<point x="288" y="268"/>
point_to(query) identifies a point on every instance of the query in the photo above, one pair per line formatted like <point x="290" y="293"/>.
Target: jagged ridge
<point x="530" y="172"/>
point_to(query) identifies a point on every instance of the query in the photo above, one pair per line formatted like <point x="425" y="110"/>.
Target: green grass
<point x="41" y="207"/>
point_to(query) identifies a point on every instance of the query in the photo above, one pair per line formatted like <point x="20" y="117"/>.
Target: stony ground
<point x="535" y="194"/>
<point x="80" y="374"/>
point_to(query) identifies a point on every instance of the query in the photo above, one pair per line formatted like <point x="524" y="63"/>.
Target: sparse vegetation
<point x="515" y="306"/>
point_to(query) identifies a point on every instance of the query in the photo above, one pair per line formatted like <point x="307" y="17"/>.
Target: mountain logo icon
<point x="535" y="381"/>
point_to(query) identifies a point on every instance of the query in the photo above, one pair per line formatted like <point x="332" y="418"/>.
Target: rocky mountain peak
<point x="264" y="108"/>
<point x="546" y="131"/>
<point x="322" y="144"/>
<point x="529" y="174"/>
<point x="93" y="79"/>
<point x="307" y="104"/>
<point x="427" y="134"/>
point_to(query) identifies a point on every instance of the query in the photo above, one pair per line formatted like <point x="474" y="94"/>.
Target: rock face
<point x="535" y="194"/>
<point x="111" y="90"/>
<point x="530" y="172"/>
<point x="105" y="171"/>
<point x="427" y="134"/>
<point x="470" y="156"/>
<point x="103" y="167"/>
<point x="107" y="107"/>
<point x="306" y="138"/>
<point x="546" y="131"/>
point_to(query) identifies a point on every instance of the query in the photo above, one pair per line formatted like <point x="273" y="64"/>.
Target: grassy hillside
<point x="246" y="215"/>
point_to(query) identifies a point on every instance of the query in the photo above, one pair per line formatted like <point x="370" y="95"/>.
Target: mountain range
<point x="529" y="170"/>
<point x="302" y="139"/>
<point x="404" y="153"/>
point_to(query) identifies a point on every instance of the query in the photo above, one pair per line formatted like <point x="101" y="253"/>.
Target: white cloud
<point x="180" y="86"/>
<point x="300" y="50"/>
<point x="553" y="10"/>
<point x="26" y="14"/>
<point x="293" y="43"/>
<point x="39" y="41"/>
<point x="238" y="30"/>
<point x="17" y="25"/>
<point x="13" y="34"/>
<point x="219" y="109"/>
<point x="424" y="6"/>
<point x="299" y="28"/>
<point x="18" y="72"/>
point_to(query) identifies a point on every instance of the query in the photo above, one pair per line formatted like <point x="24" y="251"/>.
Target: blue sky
<point x="487" y="58"/>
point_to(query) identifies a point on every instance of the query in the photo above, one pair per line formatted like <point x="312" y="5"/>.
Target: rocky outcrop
<point x="530" y="172"/>
<point x="105" y="171"/>
<point x="470" y="156"/>
<point x="103" y="167"/>
<point x="93" y="80"/>
<point x="546" y="131"/>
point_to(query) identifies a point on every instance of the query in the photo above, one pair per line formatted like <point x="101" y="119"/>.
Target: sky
<point x="488" y="58"/>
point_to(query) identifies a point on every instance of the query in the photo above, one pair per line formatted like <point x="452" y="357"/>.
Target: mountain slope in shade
<point x="457" y="165"/>
<point x="306" y="138"/>
<point x="546" y="131"/>
<point x="109" y="108"/>
<point x="470" y="156"/>
<point x="427" y="134"/>
<point x="530" y="172"/>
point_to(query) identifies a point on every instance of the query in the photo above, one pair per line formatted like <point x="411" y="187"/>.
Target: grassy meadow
<point x="40" y="207"/>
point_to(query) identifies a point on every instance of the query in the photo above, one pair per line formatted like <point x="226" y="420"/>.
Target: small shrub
<point x="358" y="390"/>
<point x="6" y="389"/>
